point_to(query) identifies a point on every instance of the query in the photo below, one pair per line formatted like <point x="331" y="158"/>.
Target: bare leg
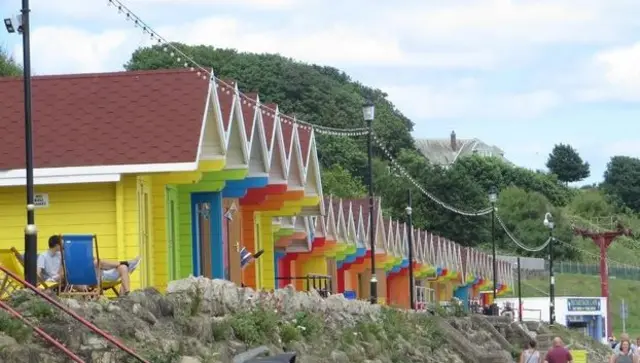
<point x="123" y="271"/>
<point x="108" y="265"/>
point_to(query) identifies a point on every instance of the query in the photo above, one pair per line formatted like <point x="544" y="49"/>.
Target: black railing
<point x="320" y="283"/>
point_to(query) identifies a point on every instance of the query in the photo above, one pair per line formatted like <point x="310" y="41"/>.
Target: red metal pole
<point x="603" y="242"/>
<point x="80" y="319"/>
<point x="41" y="333"/>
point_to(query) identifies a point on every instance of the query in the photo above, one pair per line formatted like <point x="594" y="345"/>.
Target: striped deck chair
<point x="81" y="277"/>
<point x="246" y="257"/>
<point x="13" y="261"/>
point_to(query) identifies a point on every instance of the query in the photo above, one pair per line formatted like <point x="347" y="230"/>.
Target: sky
<point x="520" y="74"/>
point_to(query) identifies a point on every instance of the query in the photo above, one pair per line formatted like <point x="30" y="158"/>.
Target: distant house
<point x="446" y="151"/>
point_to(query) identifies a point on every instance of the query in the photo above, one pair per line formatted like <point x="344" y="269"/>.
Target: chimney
<point x="454" y="142"/>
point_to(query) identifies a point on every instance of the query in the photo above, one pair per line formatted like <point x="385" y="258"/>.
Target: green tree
<point x="523" y="213"/>
<point x="565" y="162"/>
<point x="622" y="181"/>
<point x="8" y="66"/>
<point x="488" y="172"/>
<point x="338" y="182"/>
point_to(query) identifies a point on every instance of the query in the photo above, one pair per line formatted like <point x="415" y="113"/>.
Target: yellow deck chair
<point x="13" y="261"/>
<point x="9" y="260"/>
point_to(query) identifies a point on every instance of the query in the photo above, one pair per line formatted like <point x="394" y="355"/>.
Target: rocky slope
<point x="207" y="321"/>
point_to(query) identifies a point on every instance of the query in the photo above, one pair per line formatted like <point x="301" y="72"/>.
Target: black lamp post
<point x="410" y="242"/>
<point x="368" y="111"/>
<point x="548" y="222"/>
<point x="30" y="230"/>
<point x="493" y="198"/>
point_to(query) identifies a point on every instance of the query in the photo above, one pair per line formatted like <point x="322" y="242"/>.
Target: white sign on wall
<point x="41" y="200"/>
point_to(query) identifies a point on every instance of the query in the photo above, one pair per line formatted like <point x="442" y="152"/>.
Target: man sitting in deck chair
<point x="50" y="266"/>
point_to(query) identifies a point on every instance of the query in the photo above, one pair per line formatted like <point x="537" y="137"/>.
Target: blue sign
<point x="583" y="305"/>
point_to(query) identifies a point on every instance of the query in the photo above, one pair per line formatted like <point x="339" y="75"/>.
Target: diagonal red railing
<point x="77" y="317"/>
<point x="41" y="333"/>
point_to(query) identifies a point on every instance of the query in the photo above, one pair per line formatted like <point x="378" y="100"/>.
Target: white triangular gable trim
<point x="342" y="222"/>
<point x="362" y="234"/>
<point x="379" y="232"/>
<point x="259" y="161"/>
<point x="352" y="233"/>
<point x="313" y="176"/>
<point x="390" y="237"/>
<point x="332" y="230"/>
<point x="236" y="137"/>
<point x="278" y="174"/>
<point x="296" y="177"/>
<point x="212" y="129"/>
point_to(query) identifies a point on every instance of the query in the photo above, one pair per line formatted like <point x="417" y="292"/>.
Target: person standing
<point x="558" y="353"/>
<point x="530" y="354"/>
<point x="624" y="354"/>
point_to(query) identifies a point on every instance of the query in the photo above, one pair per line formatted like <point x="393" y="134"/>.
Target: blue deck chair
<point x="81" y="277"/>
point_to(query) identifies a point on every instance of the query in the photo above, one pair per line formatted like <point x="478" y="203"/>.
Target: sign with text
<point x="579" y="356"/>
<point x="583" y="304"/>
<point x="41" y="200"/>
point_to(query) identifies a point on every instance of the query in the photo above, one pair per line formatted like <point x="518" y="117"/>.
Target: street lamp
<point x="368" y="112"/>
<point x="493" y="198"/>
<point x="548" y="222"/>
<point x="409" y="211"/>
<point x="30" y="230"/>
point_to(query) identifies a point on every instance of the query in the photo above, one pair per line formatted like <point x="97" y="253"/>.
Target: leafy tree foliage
<point x="338" y="182"/>
<point x="565" y="162"/>
<point x="622" y="181"/>
<point x="523" y="213"/>
<point x="8" y="66"/>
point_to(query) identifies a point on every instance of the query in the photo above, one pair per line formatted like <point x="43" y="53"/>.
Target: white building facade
<point x="587" y="314"/>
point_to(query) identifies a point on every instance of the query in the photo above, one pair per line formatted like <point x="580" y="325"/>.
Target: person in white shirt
<point x="50" y="266"/>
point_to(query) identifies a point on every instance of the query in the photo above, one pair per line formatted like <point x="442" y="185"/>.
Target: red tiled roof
<point x="304" y="137"/>
<point x="226" y="93"/>
<point x="249" y="112"/>
<point x="120" y="118"/>
<point x="269" y="120"/>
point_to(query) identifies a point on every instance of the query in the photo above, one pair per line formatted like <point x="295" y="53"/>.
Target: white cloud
<point x="457" y="34"/>
<point x="466" y="99"/>
<point x="611" y="75"/>
<point x="499" y="23"/>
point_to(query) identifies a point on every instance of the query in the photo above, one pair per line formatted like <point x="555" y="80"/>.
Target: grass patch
<point x="14" y="328"/>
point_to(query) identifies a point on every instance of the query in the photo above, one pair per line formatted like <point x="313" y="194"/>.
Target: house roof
<point x="121" y="118"/>
<point x="441" y="152"/>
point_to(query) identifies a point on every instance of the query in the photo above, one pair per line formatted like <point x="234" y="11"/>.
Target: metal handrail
<point x="41" y="333"/>
<point x="77" y="317"/>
